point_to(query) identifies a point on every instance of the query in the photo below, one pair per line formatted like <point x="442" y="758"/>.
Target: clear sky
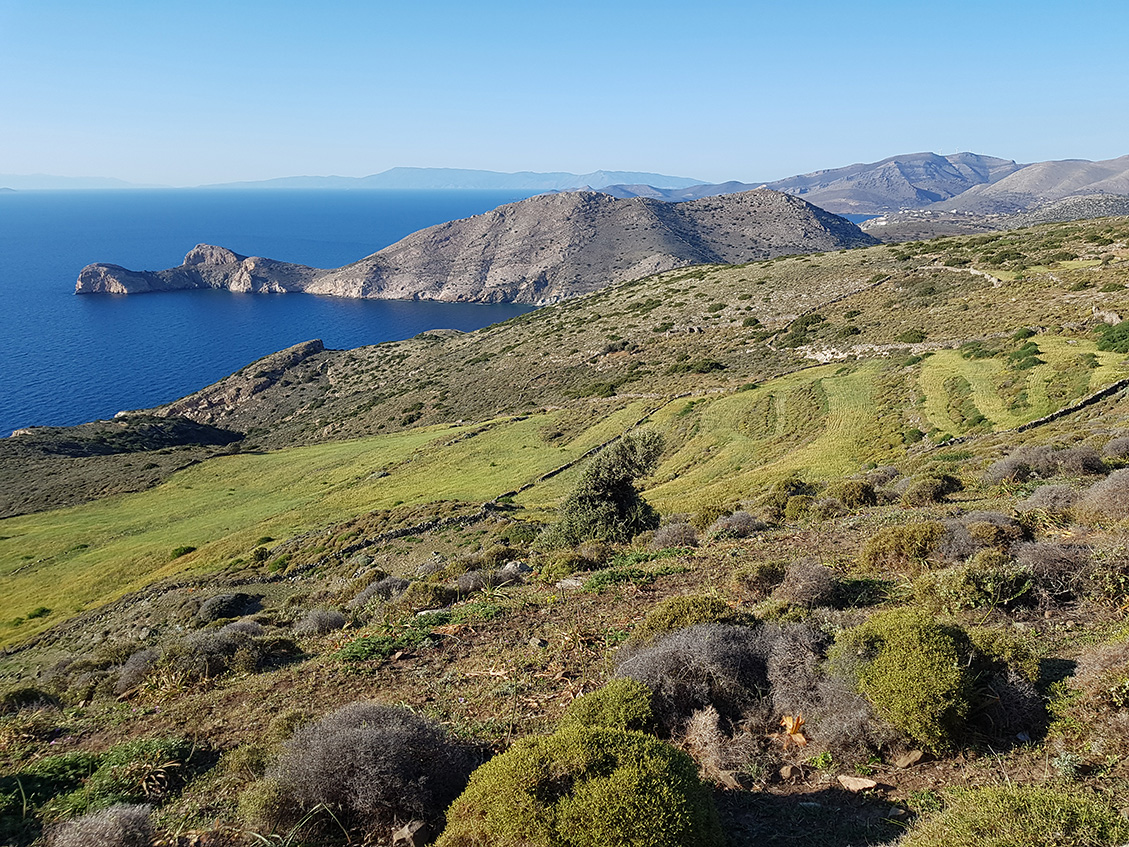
<point x="183" y="93"/>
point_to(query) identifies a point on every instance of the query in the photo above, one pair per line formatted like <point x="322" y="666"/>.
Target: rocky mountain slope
<point x="898" y="182"/>
<point x="1044" y="182"/>
<point x="541" y="250"/>
<point x="965" y="183"/>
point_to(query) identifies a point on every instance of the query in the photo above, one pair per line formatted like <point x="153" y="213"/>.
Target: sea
<point x="68" y="359"/>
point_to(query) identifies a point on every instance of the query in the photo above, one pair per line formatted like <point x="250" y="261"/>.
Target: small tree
<point x="605" y="504"/>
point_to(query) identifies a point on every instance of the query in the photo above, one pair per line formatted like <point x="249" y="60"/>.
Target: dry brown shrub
<point x="674" y="535"/>
<point x="1055" y="499"/>
<point x="373" y="767"/>
<point x="1106" y="500"/>
<point x="122" y="825"/>
<point x="806" y="583"/>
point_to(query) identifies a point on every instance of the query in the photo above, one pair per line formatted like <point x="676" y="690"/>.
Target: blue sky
<point x="185" y="93"/>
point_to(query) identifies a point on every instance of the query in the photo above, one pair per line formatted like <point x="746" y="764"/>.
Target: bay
<point x="69" y="359"/>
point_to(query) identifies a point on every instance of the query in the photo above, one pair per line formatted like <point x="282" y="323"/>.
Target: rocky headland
<point x="540" y="250"/>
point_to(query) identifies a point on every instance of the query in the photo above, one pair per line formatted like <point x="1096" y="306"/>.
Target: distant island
<point x="404" y="179"/>
<point x="413" y="179"/>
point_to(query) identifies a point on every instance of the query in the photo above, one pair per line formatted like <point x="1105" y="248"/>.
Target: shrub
<point x="121" y="825"/>
<point x="28" y="697"/>
<point x="1055" y="499"/>
<point x="476" y="580"/>
<point x="1059" y="571"/>
<point x="738" y="525"/>
<point x="930" y="489"/>
<point x="135" y="669"/>
<point x="605" y="504"/>
<point x="914" y="671"/>
<point x="1080" y="461"/>
<point x="203" y="655"/>
<point x="678" y="613"/>
<point x="759" y="578"/>
<point x="674" y="535"/>
<point x="879" y="477"/>
<point x="1102" y="675"/>
<point x="798" y="506"/>
<point x="989" y="579"/>
<point x="826" y="508"/>
<point x="716" y="665"/>
<point x="585" y="787"/>
<point x="1117" y="448"/>
<point x="855" y="493"/>
<point x="384" y="588"/>
<point x="806" y="584"/>
<point x="775" y="502"/>
<point x="372" y="766"/>
<point x="1020" y="816"/>
<point x="1043" y="461"/>
<point x="419" y="596"/>
<point x="837" y="717"/>
<point x="901" y="547"/>
<point x="319" y="622"/>
<point x="621" y="704"/>
<point x="224" y="606"/>
<point x="1107" y="499"/>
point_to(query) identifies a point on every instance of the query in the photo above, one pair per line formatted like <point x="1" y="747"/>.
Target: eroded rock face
<point x="236" y="389"/>
<point x="540" y="250"/>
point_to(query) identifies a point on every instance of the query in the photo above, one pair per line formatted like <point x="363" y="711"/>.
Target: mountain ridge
<point x="961" y="182"/>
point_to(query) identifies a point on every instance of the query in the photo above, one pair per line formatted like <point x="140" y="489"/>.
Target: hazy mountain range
<point x="461" y="178"/>
<point x="965" y="182"/>
<point x="962" y="182"/>
<point x="394" y="178"/>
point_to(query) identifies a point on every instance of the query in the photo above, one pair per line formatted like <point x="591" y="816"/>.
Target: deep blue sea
<point x="69" y="359"/>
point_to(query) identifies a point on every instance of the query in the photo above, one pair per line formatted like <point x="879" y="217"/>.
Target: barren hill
<point x="1043" y="182"/>
<point x="540" y="250"/>
<point x="909" y="181"/>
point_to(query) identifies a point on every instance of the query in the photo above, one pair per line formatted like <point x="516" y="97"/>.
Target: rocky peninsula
<point x="540" y="250"/>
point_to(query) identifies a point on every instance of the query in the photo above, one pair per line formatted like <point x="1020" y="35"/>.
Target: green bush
<point x="989" y="579"/>
<point x="621" y="704"/>
<point x="798" y="506"/>
<point x="775" y="502"/>
<point x="1020" y="816"/>
<point x="605" y="505"/>
<point x="759" y="578"/>
<point x="854" y="493"/>
<point x="901" y="547"/>
<point x="930" y="489"/>
<point x="585" y="787"/>
<point x="915" y="672"/>
<point x="679" y="613"/>
<point x="427" y="595"/>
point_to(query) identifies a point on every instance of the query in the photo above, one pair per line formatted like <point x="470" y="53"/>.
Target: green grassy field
<point x="821" y="422"/>
<point x="983" y="376"/>
<point x="70" y="559"/>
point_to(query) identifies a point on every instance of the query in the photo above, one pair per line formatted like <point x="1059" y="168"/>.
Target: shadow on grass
<point x="830" y="817"/>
